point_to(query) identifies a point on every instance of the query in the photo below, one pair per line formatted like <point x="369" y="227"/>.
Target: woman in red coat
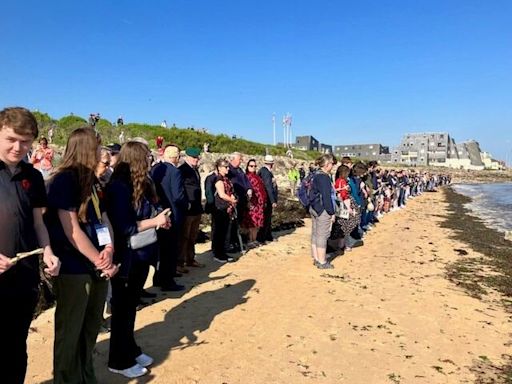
<point x="253" y="219"/>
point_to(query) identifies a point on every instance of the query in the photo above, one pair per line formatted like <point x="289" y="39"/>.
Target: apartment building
<point x="362" y="151"/>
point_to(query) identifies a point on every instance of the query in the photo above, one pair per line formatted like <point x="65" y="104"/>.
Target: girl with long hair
<point x="131" y="199"/>
<point x="81" y="235"/>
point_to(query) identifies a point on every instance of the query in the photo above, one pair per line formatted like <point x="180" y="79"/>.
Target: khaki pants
<point x="78" y="317"/>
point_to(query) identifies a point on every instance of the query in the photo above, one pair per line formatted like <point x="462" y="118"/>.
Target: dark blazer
<point x="270" y="186"/>
<point x="170" y="190"/>
<point x="192" y="184"/>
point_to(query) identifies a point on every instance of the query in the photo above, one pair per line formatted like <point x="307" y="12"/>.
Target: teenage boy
<point x="23" y="197"/>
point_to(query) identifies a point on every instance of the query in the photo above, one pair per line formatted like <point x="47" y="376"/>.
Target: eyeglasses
<point x="251" y="166"/>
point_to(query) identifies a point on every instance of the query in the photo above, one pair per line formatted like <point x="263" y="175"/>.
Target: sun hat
<point x="269" y="159"/>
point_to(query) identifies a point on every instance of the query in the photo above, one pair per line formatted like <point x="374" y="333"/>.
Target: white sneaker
<point x="136" y="371"/>
<point x="144" y="360"/>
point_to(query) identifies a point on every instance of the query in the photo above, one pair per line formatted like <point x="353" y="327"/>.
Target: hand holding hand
<point x="52" y="264"/>
<point x="5" y="263"/>
<point x="110" y="272"/>
<point x="162" y="219"/>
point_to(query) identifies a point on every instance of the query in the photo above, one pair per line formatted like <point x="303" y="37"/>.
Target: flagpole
<point x="274" y="126"/>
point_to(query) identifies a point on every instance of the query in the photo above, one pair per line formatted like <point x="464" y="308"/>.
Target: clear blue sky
<point x="348" y="72"/>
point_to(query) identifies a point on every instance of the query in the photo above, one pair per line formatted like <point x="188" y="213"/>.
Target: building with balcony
<point x="362" y="151"/>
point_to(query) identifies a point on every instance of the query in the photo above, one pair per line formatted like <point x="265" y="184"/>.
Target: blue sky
<point x="348" y="72"/>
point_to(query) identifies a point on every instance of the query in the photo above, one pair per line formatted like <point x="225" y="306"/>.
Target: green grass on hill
<point x="183" y="137"/>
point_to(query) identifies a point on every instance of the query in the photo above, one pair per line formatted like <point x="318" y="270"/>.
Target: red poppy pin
<point x="25" y="184"/>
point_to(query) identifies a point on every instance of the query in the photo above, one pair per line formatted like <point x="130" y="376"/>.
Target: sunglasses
<point x="251" y="166"/>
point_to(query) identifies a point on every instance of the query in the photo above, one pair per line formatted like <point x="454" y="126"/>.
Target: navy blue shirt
<point x="20" y="192"/>
<point x="64" y="193"/>
<point x="323" y="191"/>
<point x="124" y="217"/>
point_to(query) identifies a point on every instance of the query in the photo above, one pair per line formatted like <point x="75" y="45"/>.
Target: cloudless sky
<point x="348" y="71"/>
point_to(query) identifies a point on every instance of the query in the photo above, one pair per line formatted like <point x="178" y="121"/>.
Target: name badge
<point x="103" y="234"/>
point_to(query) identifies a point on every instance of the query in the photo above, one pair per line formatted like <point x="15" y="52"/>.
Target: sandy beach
<point x="387" y="313"/>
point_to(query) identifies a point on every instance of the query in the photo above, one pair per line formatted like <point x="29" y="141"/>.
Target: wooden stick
<point x="23" y="255"/>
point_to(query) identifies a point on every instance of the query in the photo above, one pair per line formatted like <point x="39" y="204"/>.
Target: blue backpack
<point x="305" y="192"/>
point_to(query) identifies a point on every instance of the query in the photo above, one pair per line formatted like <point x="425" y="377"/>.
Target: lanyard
<point x="96" y="202"/>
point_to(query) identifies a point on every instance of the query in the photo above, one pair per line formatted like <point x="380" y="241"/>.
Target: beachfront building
<point x="306" y="143"/>
<point x="425" y="149"/>
<point x="325" y="148"/>
<point x="490" y="163"/>
<point x="437" y="149"/>
<point x="376" y="152"/>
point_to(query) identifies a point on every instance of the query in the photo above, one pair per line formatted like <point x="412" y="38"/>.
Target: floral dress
<point x="254" y="215"/>
<point x="342" y="227"/>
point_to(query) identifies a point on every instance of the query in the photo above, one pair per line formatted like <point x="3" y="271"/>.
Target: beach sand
<point x="387" y="313"/>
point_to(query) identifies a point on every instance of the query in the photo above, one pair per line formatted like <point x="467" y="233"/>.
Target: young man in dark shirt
<point x="23" y="198"/>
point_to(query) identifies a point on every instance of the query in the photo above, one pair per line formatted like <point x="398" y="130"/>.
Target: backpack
<point x="305" y="192"/>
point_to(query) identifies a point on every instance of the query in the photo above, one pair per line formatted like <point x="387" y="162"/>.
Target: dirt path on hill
<point x="385" y="314"/>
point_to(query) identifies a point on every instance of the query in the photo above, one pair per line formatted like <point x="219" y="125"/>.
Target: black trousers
<point x="220" y="229"/>
<point x="125" y="298"/>
<point x="265" y="232"/>
<point x="168" y="258"/>
<point x="17" y="312"/>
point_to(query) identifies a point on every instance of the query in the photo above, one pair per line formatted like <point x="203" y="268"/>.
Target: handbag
<point x="143" y="239"/>
<point x="370" y="207"/>
<point x="341" y="211"/>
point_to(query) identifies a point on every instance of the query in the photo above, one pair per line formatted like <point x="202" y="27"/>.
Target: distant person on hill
<point x="206" y="147"/>
<point x="120" y="121"/>
<point x="164" y="124"/>
<point x="23" y="197"/>
<point x="159" y="141"/>
<point x="42" y="158"/>
<point x="121" y="137"/>
<point x="51" y="132"/>
<point x="269" y="181"/>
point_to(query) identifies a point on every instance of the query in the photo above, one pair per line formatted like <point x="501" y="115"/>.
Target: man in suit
<point x="171" y="192"/>
<point x="192" y="184"/>
<point x="265" y="172"/>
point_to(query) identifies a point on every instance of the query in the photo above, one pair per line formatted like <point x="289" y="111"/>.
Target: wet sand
<point x="390" y="312"/>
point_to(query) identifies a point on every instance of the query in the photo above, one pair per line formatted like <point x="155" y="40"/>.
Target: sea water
<point x="490" y="202"/>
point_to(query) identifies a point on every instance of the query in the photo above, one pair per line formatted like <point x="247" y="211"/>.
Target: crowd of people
<point x="343" y="209"/>
<point x="110" y="213"/>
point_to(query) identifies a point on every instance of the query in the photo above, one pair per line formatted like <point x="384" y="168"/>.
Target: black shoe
<point x="358" y="243"/>
<point x="172" y="288"/>
<point x="147" y="295"/>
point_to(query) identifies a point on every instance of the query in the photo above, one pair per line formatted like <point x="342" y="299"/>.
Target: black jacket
<point x="270" y="184"/>
<point x="192" y="184"/>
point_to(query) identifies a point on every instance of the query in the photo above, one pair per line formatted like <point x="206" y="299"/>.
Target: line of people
<point x="110" y="213"/>
<point x="344" y="209"/>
